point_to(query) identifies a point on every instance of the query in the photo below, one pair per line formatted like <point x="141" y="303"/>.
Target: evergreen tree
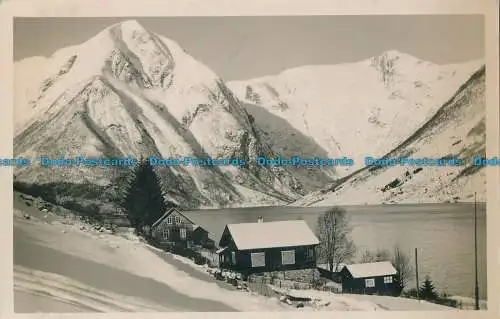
<point x="144" y="201"/>
<point x="428" y="291"/>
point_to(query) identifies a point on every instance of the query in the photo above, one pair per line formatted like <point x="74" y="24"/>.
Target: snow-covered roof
<point x="286" y="233"/>
<point x="382" y="268"/>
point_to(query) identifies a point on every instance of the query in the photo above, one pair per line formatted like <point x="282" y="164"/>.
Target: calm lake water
<point x="442" y="233"/>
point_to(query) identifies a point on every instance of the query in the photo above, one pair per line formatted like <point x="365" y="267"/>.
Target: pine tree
<point x="144" y="201"/>
<point x="428" y="291"/>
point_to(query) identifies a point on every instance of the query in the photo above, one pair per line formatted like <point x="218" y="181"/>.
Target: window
<point x="166" y="233"/>
<point x="310" y="254"/>
<point x="388" y="280"/>
<point x="258" y="259"/>
<point x="169" y="220"/>
<point x="182" y="233"/>
<point x="177" y="220"/>
<point x="288" y="257"/>
<point x="233" y="257"/>
<point x="370" y="283"/>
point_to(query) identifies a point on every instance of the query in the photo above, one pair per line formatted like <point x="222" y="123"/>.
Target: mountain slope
<point x="456" y="130"/>
<point x="129" y="92"/>
<point x="353" y="109"/>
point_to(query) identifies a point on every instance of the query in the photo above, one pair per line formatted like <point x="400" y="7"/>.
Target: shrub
<point x="411" y="293"/>
<point x="200" y="260"/>
<point x="317" y="283"/>
<point x="447" y="302"/>
<point x="428" y="291"/>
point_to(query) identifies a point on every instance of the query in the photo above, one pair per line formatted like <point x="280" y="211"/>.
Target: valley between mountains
<point x="130" y="92"/>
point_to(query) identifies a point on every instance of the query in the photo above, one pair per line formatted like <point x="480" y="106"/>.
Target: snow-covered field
<point x="347" y="302"/>
<point x="66" y="291"/>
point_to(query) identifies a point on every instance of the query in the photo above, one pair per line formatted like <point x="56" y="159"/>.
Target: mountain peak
<point x="130" y="25"/>
<point x="395" y="55"/>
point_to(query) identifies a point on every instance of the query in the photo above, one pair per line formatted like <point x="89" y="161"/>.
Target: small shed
<point x="268" y="246"/>
<point x="201" y="237"/>
<point x="334" y="274"/>
<point x="370" y="278"/>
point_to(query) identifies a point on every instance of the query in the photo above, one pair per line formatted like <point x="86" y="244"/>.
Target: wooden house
<point x="370" y="278"/>
<point x="176" y="229"/>
<point x="267" y="246"/>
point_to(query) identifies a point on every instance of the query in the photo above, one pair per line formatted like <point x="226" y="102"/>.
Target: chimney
<point x="260" y="219"/>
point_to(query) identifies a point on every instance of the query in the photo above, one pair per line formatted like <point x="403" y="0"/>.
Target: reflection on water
<point x="442" y="233"/>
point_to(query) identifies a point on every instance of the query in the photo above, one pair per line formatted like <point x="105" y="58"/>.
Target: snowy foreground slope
<point x="353" y="109"/>
<point x="457" y="130"/>
<point x="129" y="92"/>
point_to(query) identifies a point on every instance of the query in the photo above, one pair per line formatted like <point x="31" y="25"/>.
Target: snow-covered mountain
<point x="353" y="109"/>
<point x="456" y="130"/>
<point x="128" y="91"/>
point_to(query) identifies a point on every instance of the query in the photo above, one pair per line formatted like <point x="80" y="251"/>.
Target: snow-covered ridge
<point x="456" y="130"/>
<point x="355" y="109"/>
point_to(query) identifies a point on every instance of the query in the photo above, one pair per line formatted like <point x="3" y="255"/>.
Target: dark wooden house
<point x="267" y="246"/>
<point x="176" y="229"/>
<point x="370" y="278"/>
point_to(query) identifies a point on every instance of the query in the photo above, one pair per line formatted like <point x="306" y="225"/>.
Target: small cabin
<point x="175" y="228"/>
<point x="267" y="246"/>
<point x="370" y="278"/>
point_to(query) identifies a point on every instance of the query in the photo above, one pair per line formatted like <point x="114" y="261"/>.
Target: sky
<point x="239" y="48"/>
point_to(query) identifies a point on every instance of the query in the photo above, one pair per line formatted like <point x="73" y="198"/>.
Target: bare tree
<point x="333" y="231"/>
<point x="380" y="255"/>
<point x="367" y="257"/>
<point x="403" y="265"/>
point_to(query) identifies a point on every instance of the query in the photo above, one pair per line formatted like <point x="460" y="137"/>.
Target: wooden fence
<point x="260" y="281"/>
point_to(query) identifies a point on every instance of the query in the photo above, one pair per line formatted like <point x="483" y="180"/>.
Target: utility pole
<point x="476" y="287"/>
<point x="416" y="273"/>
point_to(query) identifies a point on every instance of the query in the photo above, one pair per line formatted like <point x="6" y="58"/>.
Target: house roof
<point x="272" y="234"/>
<point x="170" y="211"/>
<point x="382" y="268"/>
